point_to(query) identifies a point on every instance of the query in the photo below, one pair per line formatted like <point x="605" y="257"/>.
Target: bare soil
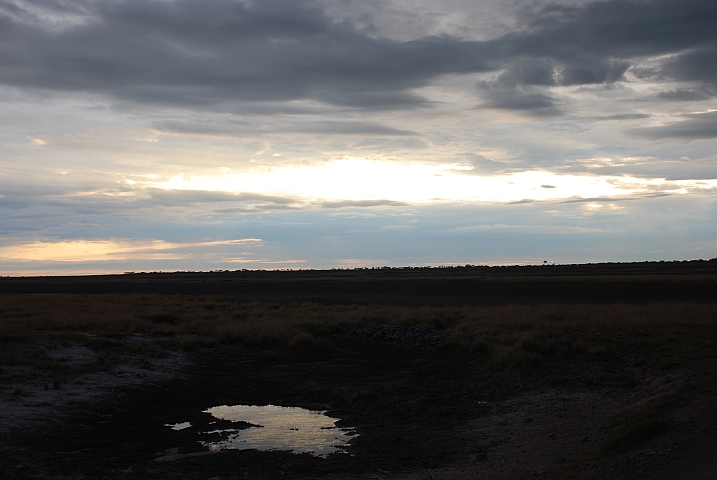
<point x="419" y="414"/>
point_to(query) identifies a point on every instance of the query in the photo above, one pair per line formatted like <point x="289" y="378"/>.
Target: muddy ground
<point x="419" y="413"/>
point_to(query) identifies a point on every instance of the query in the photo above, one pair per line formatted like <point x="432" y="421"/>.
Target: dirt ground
<point x="419" y="414"/>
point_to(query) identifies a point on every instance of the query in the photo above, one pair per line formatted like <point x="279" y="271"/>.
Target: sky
<point x="174" y="135"/>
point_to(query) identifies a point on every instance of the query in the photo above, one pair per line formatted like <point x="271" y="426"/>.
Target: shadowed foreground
<point x="559" y="389"/>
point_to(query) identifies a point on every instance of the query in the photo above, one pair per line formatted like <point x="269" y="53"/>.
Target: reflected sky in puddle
<point x="279" y="428"/>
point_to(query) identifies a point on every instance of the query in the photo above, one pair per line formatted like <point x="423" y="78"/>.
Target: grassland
<point x="653" y="336"/>
<point x="655" y="358"/>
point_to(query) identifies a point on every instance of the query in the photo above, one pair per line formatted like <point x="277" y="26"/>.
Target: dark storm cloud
<point x="703" y="125"/>
<point x="523" y="98"/>
<point x="199" y="53"/>
<point x="611" y="30"/>
<point x="697" y="65"/>
<point x="523" y="84"/>
<point x="596" y="43"/>
<point x="212" y="52"/>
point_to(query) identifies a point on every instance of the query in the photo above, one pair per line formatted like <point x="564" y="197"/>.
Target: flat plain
<point x="578" y="371"/>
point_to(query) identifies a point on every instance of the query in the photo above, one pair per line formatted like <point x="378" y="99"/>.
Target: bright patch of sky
<point x="362" y="179"/>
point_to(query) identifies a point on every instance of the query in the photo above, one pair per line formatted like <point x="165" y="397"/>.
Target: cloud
<point x="362" y="203"/>
<point x="703" y="125"/>
<point x="215" y="202"/>
<point x="623" y="116"/>
<point x="263" y="262"/>
<point x="480" y="165"/>
<point x="670" y="170"/>
<point x="616" y="29"/>
<point x="530" y="229"/>
<point x="518" y="87"/>
<point x="235" y="128"/>
<point x="686" y="95"/>
<point x="383" y="144"/>
<point x="192" y="53"/>
<point x="36" y="141"/>
<point x="550" y="72"/>
<point x="107" y="250"/>
<point x="350" y="128"/>
<point x="697" y="65"/>
<point x="218" y="53"/>
<point x="398" y="227"/>
<point x="524" y="99"/>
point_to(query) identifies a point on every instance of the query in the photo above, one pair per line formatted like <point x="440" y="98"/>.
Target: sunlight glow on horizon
<point x="357" y="179"/>
<point x="101" y="250"/>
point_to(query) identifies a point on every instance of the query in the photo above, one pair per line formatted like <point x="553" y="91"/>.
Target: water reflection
<point x="279" y="428"/>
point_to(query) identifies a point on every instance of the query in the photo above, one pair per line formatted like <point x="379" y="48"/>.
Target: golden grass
<point x="654" y="335"/>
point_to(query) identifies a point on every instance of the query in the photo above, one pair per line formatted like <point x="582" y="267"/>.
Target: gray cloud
<point x="548" y="72"/>
<point x="390" y="144"/>
<point x="203" y="53"/>
<point x="617" y="29"/>
<point x="233" y="128"/>
<point x="697" y="65"/>
<point x="624" y="116"/>
<point x="45" y="209"/>
<point x="218" y="52"/>
<point x="703" y="125"/>
<point x="523" y="98"/>
<point x="361" y="203"/>
<point x="669" y="169"/>
<point x="594" y="43"/>
<point x="481" y="165"/>
<point x="187" y="197"/>
<point x="351" y="128"/>
<point x="686" y="95"/>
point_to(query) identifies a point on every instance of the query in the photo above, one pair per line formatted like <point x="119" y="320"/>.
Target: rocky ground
<point x="419" y="411"/>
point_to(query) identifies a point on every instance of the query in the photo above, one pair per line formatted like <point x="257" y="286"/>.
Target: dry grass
<point x="653" y="336"/>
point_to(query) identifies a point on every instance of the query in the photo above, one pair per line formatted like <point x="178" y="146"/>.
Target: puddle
<point x="279" y="428"/>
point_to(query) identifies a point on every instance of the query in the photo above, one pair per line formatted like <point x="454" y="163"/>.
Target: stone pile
<point x="410" y="337"/>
